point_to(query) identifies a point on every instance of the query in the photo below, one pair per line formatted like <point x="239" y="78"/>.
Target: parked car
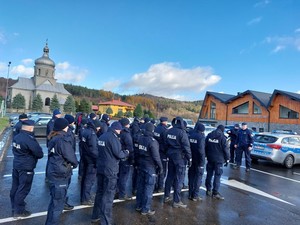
<point x="40" y="126"/>
<point x="13" y="116"/>
<point x="277" y="148"/>
<point x="190" y="123"/>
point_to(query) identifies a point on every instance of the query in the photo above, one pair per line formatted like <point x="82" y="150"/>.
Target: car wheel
<point x="289" y="161"/>
<point x="254" y="160"/>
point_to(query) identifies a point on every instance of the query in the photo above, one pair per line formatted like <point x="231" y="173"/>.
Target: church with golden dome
<point x="43" y="82"/>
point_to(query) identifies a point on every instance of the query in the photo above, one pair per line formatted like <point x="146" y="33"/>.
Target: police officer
<point x="80" y="143"/>
<point x="89" y="157"/>
<point x="150" y="163"/>
<point x="104" y="124"/>
<point x="126" y="163"/>
<point x="26" y="152"/>
<point x="18" y="125"/>
<point x="56" y="114"/>
<point x="244" y="144"/>
<point x="110" y="152"/>
<point x="158" y="135"/>
<point x="197" y="142"/>
<point x="216" y="154"/>
<point x="61" y="161"/>
<point x="233" y="136"/>
<point x="179" y="154"/>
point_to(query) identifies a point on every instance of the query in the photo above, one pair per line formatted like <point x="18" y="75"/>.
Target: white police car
<point x="277" y="147"/>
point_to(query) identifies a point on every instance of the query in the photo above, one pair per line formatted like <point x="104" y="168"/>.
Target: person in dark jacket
<point x="158" y="135"/>
<point x="126" y="163"/>
<point x="83" y="126"/>
<point x="26" y="151"/>
<point x="179" y="154"/>
<point x="104" y="124"/>
<point x="233" y="133"/>
<point x="197" y="142"/>
<point x="89" y="157"/>
<point x="244" y="144"/>
<point x="56" y="114"/>
<point x="217" y="154"/>
<point x="61" y="161"/>
<point x="18" y="125"/>
<point x="150" y="164"/>
<point x="109" y="154"/>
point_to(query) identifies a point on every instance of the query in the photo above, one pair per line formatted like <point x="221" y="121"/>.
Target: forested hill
<point x="158" y="106"/>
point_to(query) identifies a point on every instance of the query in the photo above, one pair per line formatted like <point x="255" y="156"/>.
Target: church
<point x="43" y="82"/>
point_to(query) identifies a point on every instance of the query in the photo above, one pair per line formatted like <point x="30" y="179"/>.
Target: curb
<point x="5" y="141"/>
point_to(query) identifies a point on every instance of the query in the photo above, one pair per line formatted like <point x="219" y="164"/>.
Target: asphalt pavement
<point x="268" y="194"/>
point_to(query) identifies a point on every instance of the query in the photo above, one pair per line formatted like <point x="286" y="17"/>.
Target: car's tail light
<point x="274" y="146"/>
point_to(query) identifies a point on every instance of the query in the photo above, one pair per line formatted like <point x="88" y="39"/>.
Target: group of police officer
<point x="158" y="155"/>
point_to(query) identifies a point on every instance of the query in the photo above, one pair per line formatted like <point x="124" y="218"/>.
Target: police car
<point x="277" y="148"/>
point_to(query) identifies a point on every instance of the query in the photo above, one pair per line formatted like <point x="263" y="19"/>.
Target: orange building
<point x="262" y="111"/>
<point x="116" y="106"/>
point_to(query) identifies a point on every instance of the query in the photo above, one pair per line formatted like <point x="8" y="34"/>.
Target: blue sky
<point x="172" y="48"/>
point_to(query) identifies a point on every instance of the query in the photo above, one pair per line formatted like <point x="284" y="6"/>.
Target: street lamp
<point x="6" y="92"/>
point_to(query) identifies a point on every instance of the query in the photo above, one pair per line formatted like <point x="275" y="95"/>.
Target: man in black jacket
<point x="216" y="153"/>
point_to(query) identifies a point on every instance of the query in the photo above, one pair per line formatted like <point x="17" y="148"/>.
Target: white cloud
<point x="66" y="73"/>
<point x="63" y="66"/>
<point x="21" y="70"/>
<point x="111" y="85"/>
<point x="170" y="80"/>
<point x="298" y="92"/>
<point x="262" y="3"/>
<point x="297" y="30"/>
<point x="284" y="42"/>
<point x="254" y="21"/>
<point x="27" y="61"/>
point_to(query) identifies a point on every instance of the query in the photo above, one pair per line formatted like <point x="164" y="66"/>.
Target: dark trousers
<point x="58" y="193"/>
<point x="146" y="183"/>
<point x="175" y="178"/>
<point x="213" y="169"/>
<point x="161" y="177"/>
<point x="195" y="179"/>
<point x="104" y="198"/>
<point x="81" y="162"/>
<point x="87" y="181"/>
<point x="239" y="156"/>
<point x="232" y="152"/>
<point x="124" y="172"/>
<point x="134" y="179"/>
<point x="21" y="185"/>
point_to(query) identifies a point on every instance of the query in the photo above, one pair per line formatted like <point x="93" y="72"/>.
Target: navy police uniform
<point x="61" y="161"/>
<point x="150" y="162"/>
<point x="233" y="133"/>
<point x="89" y="155"/>
<point x="158" y="135"/>
<point x="179" y="153"/>
<point x="216" y="154"/>
<point x="243" y="142"/>
<point x="26" y="152"/>
<point x="110" y="152"/>
<point x="197" y="142"/>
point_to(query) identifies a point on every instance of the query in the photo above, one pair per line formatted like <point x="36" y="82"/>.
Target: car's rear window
<point x="265" y="139"/>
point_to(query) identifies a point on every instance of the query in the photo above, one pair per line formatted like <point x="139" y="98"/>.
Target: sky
<point x="171" y="48"/>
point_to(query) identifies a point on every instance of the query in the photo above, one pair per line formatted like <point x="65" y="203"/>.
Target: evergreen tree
<point x="54" y="104"/>
<point x="120" y="114"/>
<point x="128" y="114"/>
<point x="84" y="106"/>
<point x="37" y="103"/>
<point x="138" y="111"/>
<point x="18" y="102"/>
<point x="69" y="105"/>
<point x="109" y="111"/>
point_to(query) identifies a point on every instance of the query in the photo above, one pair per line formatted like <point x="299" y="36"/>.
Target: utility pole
<point x="6" y="92"/>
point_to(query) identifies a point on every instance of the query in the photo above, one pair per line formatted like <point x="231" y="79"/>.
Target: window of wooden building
<point x="256" y="109"/>
<point x="241" y="109"/>
<point x="286" y="113"/>
<point x="212" y="110"/>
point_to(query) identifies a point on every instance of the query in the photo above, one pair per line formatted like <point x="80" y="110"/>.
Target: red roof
<point x="116" y="102"/>
<point x="95" y="107"/>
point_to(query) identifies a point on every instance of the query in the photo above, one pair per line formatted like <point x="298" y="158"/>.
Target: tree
<point x="54" y="104"/>
<point x="37" y="103"/>
<point x="84" y="106"/>
<point x="138" y="111"/>
<point x="120" y="114"/>
<point x="128" y="114"/>
<point x="109" y="111"/>
<point x="69" y="105"/>
<point x="18" y="102"/>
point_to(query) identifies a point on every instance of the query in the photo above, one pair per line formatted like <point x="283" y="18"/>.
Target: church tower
<point x="44" y="69"/>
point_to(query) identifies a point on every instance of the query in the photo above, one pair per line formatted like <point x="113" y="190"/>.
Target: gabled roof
<point x="262" y="97"/>
<point x="291" y="95"/>
<point x="24" y="83"/>
<point x="220" y="96"/>
<point x="58" y="88"/>
<point x="116" y="102"/>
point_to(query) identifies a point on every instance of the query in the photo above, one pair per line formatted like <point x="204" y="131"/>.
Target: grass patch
<point x="3" y="123"/>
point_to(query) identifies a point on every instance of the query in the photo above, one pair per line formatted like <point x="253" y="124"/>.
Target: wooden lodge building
<point x="262" y="111"/>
